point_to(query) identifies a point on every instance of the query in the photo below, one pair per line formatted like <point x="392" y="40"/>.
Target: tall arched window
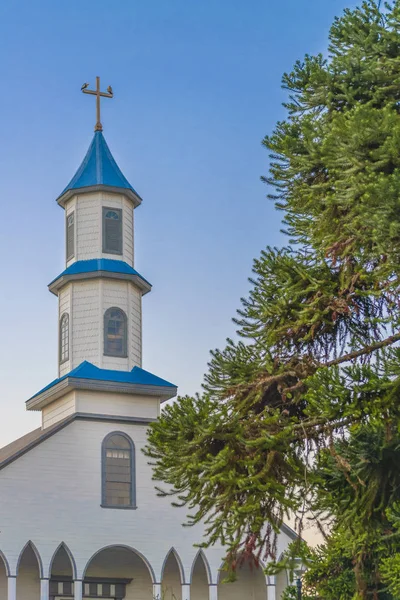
<point x="112" y="230"/>
<point x="64" y="337"/>
<point x="115" y="332"/>
<point x="118" y="471"/>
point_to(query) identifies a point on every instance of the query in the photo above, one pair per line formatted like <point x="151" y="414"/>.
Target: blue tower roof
<point x="99" y="267"/>
<point x="98" y="171"/>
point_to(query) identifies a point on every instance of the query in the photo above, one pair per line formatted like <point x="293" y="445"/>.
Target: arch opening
<point x="120" y="566"/>
<point x="62" y="571"/>
<point x="200" y="578"/>
<point x="3" y="576"/>
<point x="250" y="583"/>
<point x="172" y="577"/>
<point x="29" y="571"/>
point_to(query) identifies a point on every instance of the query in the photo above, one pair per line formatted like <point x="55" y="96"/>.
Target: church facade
<point x="79" y="516"/>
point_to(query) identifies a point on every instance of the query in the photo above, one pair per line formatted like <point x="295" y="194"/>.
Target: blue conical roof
<point x="98" y="170"/>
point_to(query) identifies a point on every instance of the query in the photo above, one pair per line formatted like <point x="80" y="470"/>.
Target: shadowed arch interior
<point x="200" y="577"/>
<point x="4" y="570"/>
<point x="62" y="564"/>
<point x="29" y="573"/>
<point x="251" y="583"/>
<point x="172" y="577"/>
<point x="123" y="562"/>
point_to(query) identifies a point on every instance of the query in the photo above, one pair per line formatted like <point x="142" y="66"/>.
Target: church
<point x="79" y="515"/>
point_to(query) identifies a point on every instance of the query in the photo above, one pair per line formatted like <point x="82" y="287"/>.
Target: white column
<point x="157" y="591"/>
<point x="44" y="589"/>
<point x="78" y="584"/>
<point x="185" y="591"/>
<point x="271" y="592"/>
<point x="213" y="591"/>
<point x="12" y="588"/>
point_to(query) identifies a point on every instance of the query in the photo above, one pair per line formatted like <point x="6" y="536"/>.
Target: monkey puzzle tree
<point x="319" y="328"/>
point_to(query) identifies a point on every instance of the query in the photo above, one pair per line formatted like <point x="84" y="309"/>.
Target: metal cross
<point x="98" y="93"/>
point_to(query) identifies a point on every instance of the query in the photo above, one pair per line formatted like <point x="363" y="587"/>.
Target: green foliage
<point x="318" y="355"/>
<point x="290" y="593"/>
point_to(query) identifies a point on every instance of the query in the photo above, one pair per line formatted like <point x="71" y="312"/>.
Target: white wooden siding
<point x="58" y="410"/>
<point x="86" y="303"/>
<point x="85" y="322"/>
<point x="89" y="228"/>
<point x="64" y="306"/>
<point x="52" y="494"/>
<point x="125" y="405"/>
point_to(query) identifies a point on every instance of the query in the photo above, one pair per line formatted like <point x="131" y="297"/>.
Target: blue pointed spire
<point x="98" y="171"/>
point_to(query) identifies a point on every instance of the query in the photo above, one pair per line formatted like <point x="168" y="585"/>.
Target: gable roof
<point x="14" y="447"/>
<point x="98" y="170"/>
<point x="25" y="443"/>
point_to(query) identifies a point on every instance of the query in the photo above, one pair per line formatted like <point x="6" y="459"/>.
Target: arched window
<point x="64" y="337"/>
<point x="115" y="332"/>
<point x="112" y="230"/>
<point x="70" y="237"/>
<point x="118" y="471"/>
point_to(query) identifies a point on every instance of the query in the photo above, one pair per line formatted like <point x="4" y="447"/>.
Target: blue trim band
<point x="99" y="264"/>
<point x="87" y="370"/>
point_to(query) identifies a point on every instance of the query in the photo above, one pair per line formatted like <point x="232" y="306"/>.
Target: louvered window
<point x="70" y="235"/>
<point x="118" y="471"/>
<point x="64" y="338"/>
<point x="115" y="332"/>
<point x="112" y="230"/>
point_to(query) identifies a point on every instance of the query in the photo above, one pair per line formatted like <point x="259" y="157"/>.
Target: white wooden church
<point x="79" y="516"/>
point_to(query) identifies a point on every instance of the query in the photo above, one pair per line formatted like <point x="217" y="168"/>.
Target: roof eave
<point x="56" y="285"/>
<point x="129" y="193"/>
<point x="59" y="389"/>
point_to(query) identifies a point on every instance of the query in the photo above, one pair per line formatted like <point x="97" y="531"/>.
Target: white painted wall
<point x="88" y="210"/>
<point x="87" y="301"/>
<point x="58" y="410"/>
<point x="53" y="494"/>
<point x="125" y="405"/>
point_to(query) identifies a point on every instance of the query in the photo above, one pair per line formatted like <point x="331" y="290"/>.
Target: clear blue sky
<point x="197" y="86"/>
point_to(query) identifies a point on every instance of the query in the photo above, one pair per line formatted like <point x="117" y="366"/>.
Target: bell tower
<point x="100" y="299"/>
<point x="99" y="292"/>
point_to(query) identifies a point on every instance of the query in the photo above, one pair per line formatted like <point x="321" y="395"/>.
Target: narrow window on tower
<point x="70" y="235"/>
<point x="115" y="332"/>
<point x="118" y="471"/>
<point x="112" y="230"/>
<point x="64" y="338"/>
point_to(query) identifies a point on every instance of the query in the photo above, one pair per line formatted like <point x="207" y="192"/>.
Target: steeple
<point x="100" y="298"/>
<point x="99" y="291"/>
<point x="98" y="172"/>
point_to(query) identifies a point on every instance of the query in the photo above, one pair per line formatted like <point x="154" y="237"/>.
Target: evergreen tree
<point x="318" y="353"/>
<point x="359" y="494"/>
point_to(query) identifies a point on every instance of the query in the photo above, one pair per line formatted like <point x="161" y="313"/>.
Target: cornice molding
<point x="56" y="285"/>
<point x="99" y="188"/>
<point x="75" y="383"/>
